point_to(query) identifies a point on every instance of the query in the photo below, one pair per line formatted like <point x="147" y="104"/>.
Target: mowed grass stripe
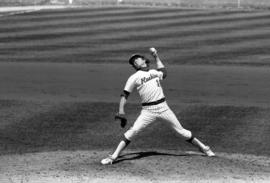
<point x="170" y="40"/>
<point x="186" y="33"/>
<point x="245" y="46"/>
<point x="99" y="43"/>
<point x="62" y="13"/>
<point x="222" y="54"/>
<point x="37" y="18"/>
<point x="103" y="17"/>
<point x="193" y="33"/>
<point x="84" y="20"/>
<point x="98" y="12"/>
<point x="175" y="48"/>
<point x="88" y="21"/>
<point x="109" y="27"/>
<point x="173" y="26"/>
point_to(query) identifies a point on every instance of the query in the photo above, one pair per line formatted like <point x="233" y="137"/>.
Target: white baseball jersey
<point x="150" y="90"/>
<point x="147" y="84"/>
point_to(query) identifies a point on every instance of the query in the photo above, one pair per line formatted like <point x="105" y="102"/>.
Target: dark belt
<point x="154" y="103"/>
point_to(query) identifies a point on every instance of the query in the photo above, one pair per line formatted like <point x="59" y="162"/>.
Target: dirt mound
<point x="134" y="166"/>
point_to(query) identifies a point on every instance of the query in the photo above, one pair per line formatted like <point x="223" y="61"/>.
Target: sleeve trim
<point x="164" y="71"/>
<point x="125" y="94"/>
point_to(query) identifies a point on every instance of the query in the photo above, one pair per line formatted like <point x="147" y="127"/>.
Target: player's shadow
<point x="140" y="155"/>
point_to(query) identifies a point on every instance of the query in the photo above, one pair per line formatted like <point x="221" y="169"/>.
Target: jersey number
<point x="158" y="83"/>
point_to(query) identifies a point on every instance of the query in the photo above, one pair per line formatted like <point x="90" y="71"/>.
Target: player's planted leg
<point x="112" y="158"/>
<point x="122" y="145"/>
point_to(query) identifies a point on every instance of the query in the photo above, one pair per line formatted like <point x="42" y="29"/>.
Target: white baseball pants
<point x="149" y="114"/>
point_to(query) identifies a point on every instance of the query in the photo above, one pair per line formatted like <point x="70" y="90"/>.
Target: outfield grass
<point x="112" y="34"/>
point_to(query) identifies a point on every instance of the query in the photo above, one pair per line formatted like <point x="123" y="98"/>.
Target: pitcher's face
<point x="140" y="63"/>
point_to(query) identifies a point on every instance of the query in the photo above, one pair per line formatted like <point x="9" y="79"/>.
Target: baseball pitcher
<point x="154" y="105"/>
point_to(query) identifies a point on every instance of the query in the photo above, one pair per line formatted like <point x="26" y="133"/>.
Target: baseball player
<point x="154" y="105"/>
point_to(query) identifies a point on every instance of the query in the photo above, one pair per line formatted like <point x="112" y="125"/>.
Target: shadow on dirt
<point x="141" y="155"/>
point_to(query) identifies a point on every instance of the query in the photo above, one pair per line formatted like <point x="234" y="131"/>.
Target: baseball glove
<point x="122" y="118"/>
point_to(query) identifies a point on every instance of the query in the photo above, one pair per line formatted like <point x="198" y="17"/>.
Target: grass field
<point x="61" y="72"/>
<point x="112" y="34"/>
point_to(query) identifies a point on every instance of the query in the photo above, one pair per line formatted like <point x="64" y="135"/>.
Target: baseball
<point x="153" y="50"/>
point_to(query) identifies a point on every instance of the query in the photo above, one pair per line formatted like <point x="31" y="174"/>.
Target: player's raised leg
<point x="203" y="148"/>
<point x="172" y="120"/>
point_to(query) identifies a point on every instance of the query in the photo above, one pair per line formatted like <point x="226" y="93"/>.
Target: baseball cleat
<point x="208" y="152"/>
<point x="108" y="161"/>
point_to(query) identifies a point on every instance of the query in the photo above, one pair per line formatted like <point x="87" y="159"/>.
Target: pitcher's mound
<point x="133" y="166"/>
